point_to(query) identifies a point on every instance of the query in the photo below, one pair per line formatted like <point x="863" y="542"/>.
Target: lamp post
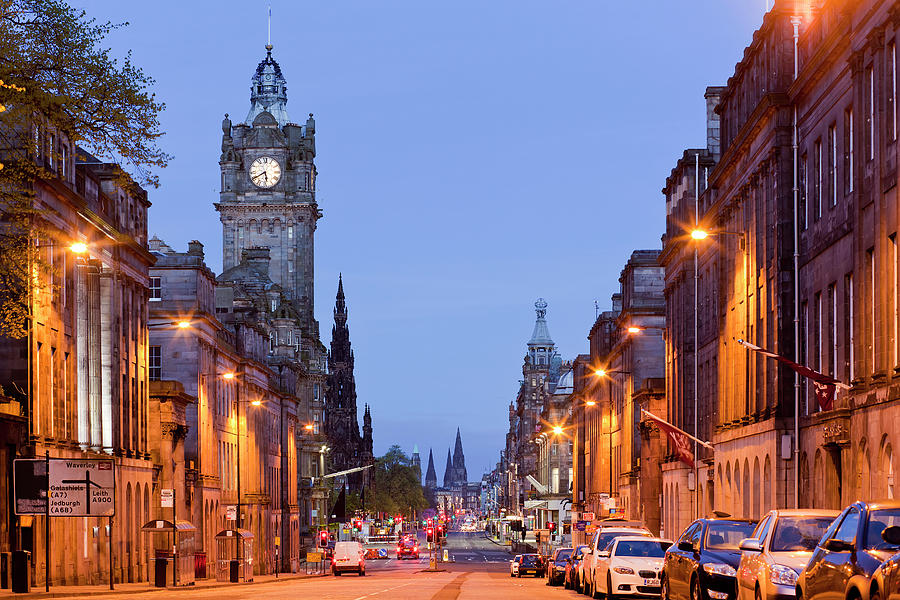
<point x="698" y="234"/>
<point x="607" y="374"/>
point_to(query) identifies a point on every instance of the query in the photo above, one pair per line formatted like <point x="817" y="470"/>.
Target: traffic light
<point x="551" y="527"/>
<point x="323" y="539"/>
<point x="429" y="534"/>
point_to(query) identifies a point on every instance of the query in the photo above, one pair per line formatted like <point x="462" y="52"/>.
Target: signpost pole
<point x="174" y="532"/>
<point x="109" y="541"/>
<point x="47" y="528"/>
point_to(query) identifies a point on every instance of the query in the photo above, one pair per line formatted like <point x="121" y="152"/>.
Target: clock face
<point x="265" y="171"/>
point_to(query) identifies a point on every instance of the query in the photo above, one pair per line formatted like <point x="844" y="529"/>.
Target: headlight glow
<point x="624" y="570"/>
<point x="719" y="569"/>
<point x="782" y="575"/>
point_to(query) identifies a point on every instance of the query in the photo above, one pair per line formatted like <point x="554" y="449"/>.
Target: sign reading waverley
<point x="82" y="488"/>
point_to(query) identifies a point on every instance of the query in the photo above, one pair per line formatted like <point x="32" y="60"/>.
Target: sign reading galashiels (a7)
<point x="82" y="487"/>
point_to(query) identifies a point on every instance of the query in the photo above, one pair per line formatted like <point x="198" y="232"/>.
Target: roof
<point x="541" y="334"/>
<point x="566" y="383"/>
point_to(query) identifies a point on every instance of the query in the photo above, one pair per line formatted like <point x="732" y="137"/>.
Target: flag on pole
<point x="680" y="439"/>
<point x="825" y="385"/>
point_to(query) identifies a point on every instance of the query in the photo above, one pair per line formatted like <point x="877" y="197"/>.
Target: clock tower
<point x="268" y="196"/>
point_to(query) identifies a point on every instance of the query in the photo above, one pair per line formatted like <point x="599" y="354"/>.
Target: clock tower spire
<point x="268" y="187"/>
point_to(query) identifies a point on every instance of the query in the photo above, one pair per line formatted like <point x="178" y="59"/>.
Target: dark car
<point x="556" y="567"/>
<point x="849" y="552"/>
<point x="705" y="558"/>
<point x="532" y="564"/>
<point x="570" y="581"/>
<point x="886" y="579"/>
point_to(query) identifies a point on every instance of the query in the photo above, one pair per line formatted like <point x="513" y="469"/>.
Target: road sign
<point x="588" y="516"/>
<point x="581" y="525"/>
<point x="231" y="512"/>
<point x="167" y="498"/>
<point x="82" y="488"/>
<point x="30" y="486"/>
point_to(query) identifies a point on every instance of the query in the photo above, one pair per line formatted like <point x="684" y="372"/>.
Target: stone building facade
<point x="617" y="456"/>
<point x="76" y="387"/>
<point x="839" y="191"/>
<point x="254" y="402"/>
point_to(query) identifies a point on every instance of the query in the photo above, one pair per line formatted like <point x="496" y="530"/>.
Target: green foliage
<point x="55" y="72"/>
<point x="56" y="54"/>
<point x="397" y="484"/>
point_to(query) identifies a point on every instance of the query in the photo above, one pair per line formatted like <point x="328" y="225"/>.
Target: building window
<point x="817" y="332"/>
<point x="818" y="180"/>
<point x="155" y="288"/>
<point x="848" y="151"/>
<point x="870" y="307"/>
<point x="832" y="348"/>
<point x="832" y="164"/>
<point x="63" y="161"/>
<point x="870" y="113"/>
<point x="892" y="91"/>
<point x="51" y="150"/>
<point x="290" y="232"/>
<point x="155" y="363"/>
<point x="848" y="320"/>
<point x="804" y="190"/>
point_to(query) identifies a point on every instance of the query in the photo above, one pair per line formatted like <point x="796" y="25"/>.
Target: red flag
<point x="825" y="385"/>
<point x="680" y="440"/>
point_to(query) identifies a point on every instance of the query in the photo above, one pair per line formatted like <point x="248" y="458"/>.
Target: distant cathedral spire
<point x="460" y="476"/>
<point x="430" y="473"/>
<point x="448" y="471"/>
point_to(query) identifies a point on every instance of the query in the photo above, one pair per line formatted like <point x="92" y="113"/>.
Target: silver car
<point x="779" y="549"/>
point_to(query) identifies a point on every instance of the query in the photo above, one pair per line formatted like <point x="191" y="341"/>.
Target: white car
<point x="630" y="566"/>
<point x="514" y="565"/>
<point x="601" y="540"/>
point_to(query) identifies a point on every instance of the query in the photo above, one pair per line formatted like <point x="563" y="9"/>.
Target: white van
<point x="348" y="556"/>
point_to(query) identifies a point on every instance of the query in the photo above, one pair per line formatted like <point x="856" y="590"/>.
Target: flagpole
<point x="696" y="440"/>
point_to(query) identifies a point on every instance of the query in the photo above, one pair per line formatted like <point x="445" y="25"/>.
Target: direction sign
<point x="30" y="486"/>
<point x="82" y="488"/>
<point x="167" y="498"/>
<point x="581" y="525"/>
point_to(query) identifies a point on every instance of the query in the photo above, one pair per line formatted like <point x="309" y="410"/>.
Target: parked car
<point x="705" y="559"/>
<point x="602" y="538"/>
<point x="570" y="582"/>
<point x="514" y="565"/>
<point x="556" y="566"/>
<point x="886" y="578"/>
<point x="531" y="564"/>
<point x="781" y="545"/>
<point x="630" y="566"/>
<point x="349" y="556"/>
<point x="849" y="552"/>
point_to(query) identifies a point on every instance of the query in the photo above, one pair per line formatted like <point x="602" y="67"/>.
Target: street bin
<point x="21" y="571"/>
<point x="234" y="567"/>
<point x="5" y="568"/>
<point x="162" y="574"/>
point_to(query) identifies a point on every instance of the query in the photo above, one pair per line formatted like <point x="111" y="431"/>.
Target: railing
<point x="383" y="539"/>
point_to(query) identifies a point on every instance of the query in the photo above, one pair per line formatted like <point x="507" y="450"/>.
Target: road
<point x="480" y="572"/>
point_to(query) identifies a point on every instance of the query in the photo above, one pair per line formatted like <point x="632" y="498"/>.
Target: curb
<point x="151" y="589"/>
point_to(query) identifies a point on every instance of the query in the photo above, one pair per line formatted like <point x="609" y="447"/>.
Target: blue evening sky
<point x="473" y="156"/>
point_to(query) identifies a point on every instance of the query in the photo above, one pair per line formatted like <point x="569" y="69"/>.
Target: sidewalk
<point x="66" y="591"/>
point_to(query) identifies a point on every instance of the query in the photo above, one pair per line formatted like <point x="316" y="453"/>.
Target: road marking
<point x="451" y="590"/>
<point x="383" y="591"/>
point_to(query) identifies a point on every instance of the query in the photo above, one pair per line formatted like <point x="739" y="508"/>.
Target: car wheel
<point x="696" y="592"/>
<point x="664" y="587"/>
<point x="362" y="572"/>
<point x="875" y="595"/>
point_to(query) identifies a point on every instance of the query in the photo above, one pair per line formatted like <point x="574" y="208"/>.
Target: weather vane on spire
<point x="269" y="32"/>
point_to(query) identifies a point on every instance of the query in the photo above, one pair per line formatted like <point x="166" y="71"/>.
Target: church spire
<point x="430" y="473"/>
<point x="340" y="304"/>
<point x="460" y="476"/>
<point x="448" y="471"/>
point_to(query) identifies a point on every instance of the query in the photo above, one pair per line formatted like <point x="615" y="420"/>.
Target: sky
<point x="473" y="156"/>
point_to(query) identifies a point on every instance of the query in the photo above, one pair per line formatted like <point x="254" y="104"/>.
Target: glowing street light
<point x="557" y="430"/>
<point x="78" y="247"/>
<point x="591" y="403"/>
<point x="256" y="402"/>
<point x="600" y="372"/>
<point x="308" y="427"/>
<point x="228" y="375"/>
<point x="699" y="234"/>
<point x="184" y="324"/>
<point x="634" y="329"/>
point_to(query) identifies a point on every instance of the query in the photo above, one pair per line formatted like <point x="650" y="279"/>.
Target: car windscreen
<point x="530" y="560"/>
<point x="605" y="537"/>
<point x="879" y="520"/>
<point x="726" y="535"/>
<point x="579" y="552"/>
<point x="644" y="549"/>
<point x="799" y="534"/>
<point x="563" y="554"/>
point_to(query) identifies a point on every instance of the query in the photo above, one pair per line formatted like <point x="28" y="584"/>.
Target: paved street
<point x="480" y="570"/>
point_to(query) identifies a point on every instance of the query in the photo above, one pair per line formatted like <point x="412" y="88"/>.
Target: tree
<point x="397" y="484"/>
<point x="57" y="74"/>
